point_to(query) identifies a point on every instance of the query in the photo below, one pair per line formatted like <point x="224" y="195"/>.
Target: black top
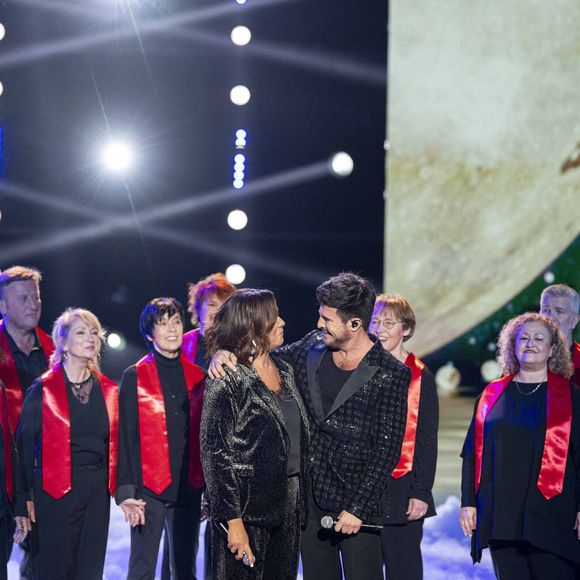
<point x="201" y="359"/>
<point x="29" y="366"/>
<point x="89" y="434"/>
<point x="129" y="473"/>
<point x="333" y="379"/>
<point x="293" y="423"/>
<point x="509" y="504"/>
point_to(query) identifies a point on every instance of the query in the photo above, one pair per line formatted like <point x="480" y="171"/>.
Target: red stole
<point x="9" y="372"/>
<point x="405" y="464"/>
<point x="575" y="378"/>
<point x="5" y="426"/>
<point x="154" y="442"/>
<point x="56" y="452"/>
<point x="189" y="345"/>
<point x="557" y="439"/>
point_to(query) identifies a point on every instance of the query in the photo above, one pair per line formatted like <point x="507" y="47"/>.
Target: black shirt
<point x="129" y="473"/>
<point x="29" y="366"/>
<point x="201" y="359"/>
<point x="333" y="379"/>
<point x="293" y="423"/>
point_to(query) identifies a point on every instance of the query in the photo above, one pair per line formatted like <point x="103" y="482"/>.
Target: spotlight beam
<point x="260" y="186"/>
<point x="75" y="44"/>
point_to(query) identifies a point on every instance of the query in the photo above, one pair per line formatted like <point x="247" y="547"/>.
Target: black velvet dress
<point x="509" y="505"/>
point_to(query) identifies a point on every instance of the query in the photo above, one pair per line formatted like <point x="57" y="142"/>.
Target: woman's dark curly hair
<point x="242" y="324"/>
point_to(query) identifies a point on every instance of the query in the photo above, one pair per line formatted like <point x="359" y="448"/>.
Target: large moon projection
<point x="483" y="115"/>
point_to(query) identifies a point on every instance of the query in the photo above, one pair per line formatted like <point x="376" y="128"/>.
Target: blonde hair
<point x="61" y="329"/>
<point x="559" y="362"/>
<point x="400" y="308"/>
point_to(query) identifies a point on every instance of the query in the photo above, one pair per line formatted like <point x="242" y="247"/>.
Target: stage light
<point x="549" y="277"/>
<point x="238" y="183"/>
<point x="1" y="88"/>
<point x="241" y="134"/>
<point x="3" y="31"/>
<point x="241" y="1"/>
<point x="237" y="219"/>
<point x="116" y="341"/>
<point x="241" y="35"/>
<point x="117" y="156"/>
<point x="240" y="95"/>
<point x="236" y="274"/>
<point x="239" y="158"/>
<point x="341" y="164"/>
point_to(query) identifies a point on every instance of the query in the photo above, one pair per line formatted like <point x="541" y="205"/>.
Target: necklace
<point x="527" y="393"/>
<point x="79" y="386"/>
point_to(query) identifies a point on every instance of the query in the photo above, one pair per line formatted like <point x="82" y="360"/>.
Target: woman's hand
<point x="468" y="520"/>
<point x="238" y="541"/>
<point x="134" y="510"/>
<point x="217" y="362"/>
<point x="416" y="509"/>
<point x="24" y="523"/>
<point x="577" y="525"/>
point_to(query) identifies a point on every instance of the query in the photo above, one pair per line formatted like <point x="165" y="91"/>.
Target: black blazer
<point x="244" y="447"/>
<point x="356" y="445"/>
<point x="419" y="482"/>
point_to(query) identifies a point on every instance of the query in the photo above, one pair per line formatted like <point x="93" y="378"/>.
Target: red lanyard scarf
<point x="6" y="443"/>
<point x="557" y="439"/>
<point x="9" y="372"/>
<point x="56" y="452"/>
<point x="405" y="464"/>
<point x="154" y="442"/>
<point x="189" y="346"/>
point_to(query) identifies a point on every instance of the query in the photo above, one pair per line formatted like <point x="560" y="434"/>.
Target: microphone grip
<point x="327" y="522"/>
<point x="223" y="530"/>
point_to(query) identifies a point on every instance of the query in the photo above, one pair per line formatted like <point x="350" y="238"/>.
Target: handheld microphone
<point x="223" y="530"/>
<point x="327" y="522"/>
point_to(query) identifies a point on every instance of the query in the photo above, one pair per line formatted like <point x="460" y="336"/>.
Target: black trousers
<point x="522" y="561"/>
<point x="194" y="522"/>
<point x="275" y="549"/>
<point x="402" y="550"/>
<point x="322" y="551"/>
<point x="72" y="531"/>
<point x="4" y="555"/>
<point x="176" y="519"/>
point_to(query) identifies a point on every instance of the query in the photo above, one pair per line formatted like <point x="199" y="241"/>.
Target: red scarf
<point x="154" y="443"/>
<point x="190" y="342"/>
<point x="9" y="373"/>
<point x="6" y="443"/>
<point x="56" y="452"/>
<point x="557" y="439"/>
<point x="405" y="464"/>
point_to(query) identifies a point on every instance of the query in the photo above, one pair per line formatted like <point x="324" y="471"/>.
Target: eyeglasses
<point x="388" y="324"/>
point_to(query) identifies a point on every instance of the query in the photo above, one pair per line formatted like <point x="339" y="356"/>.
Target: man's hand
<point x="134" y="510"/>
<point x="23" y="526"/>
<point x="416" y="509"/>
<point x="347" y="523"/>
<point x="238" y="541"/>
<point x="468" y="520"/>
<point x="217" y="362"/>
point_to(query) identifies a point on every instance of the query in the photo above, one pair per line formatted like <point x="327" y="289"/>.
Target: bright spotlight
<point x="341" y="164"/>
<point x="239" y="158"/>
<point x="241" y="1"/>
<point x="3" y="31"/>
<point x="236" y="274"/>
<point x="241" y="35"/>
<point x="241" y="134"/>
<point x="240" y="95"/>
<point x="115" y="341"/>
<point x="238" y="183"/>
<point x="1" y="88"/>
<point x="549" y="277"/>
<point x="237" y="219"/>
<point x="117" y="156"/>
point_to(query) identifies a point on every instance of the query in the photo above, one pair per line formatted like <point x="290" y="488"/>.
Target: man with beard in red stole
<point x="24" y="353"/>
<point x="159" y="460"/>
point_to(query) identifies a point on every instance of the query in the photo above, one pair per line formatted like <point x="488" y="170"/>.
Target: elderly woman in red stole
<point x="409" y="487"/>
<point x="521" y="458"/>
<point x="67" y="447"/>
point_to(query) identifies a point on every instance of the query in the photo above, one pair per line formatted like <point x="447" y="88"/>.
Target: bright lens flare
<point x="236" y="274"/>
<point x="117" y="157"/>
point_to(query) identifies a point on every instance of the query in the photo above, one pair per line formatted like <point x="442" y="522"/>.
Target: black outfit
<point x="179" y="503"/>
<point x="401" y="539"/>
<point x="70" y="534"/>
<point x="245" y="456"/>
<point x="354" y="446"/>
<point x="510" y="508"/>
<point x="29" y="367"/>
<point x="6" y="518"/>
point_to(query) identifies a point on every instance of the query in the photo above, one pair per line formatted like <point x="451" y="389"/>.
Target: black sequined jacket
<point x="244" y="446"/>
<point x="355" y="446"/>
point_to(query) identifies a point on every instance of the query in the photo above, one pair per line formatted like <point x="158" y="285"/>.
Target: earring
<point x="254" y="348"/>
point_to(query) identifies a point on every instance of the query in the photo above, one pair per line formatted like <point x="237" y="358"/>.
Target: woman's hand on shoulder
<point x="239" y="542"/>
<point x="222" y="358"/>
<point x="468" y="520"/>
